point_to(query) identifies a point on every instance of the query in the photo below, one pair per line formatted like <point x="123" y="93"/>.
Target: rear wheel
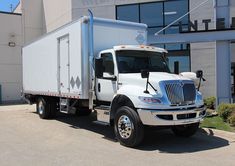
<point x="43" y="108"/>
<point x="128" y="128"/>
<point x="185" y="130"/>
<point x="47" y="108"/>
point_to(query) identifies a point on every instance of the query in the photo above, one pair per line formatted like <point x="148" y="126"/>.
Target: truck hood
<point x="135" y="79"/>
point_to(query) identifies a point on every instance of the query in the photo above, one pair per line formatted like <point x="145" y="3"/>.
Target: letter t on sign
<point x="206" y="22"/>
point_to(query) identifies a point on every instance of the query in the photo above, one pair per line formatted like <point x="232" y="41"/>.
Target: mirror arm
<point x="200" y="80"/>
<point x="146" y="91"/>
<point x="148" y="83"/>
<point x="152" y="87"/>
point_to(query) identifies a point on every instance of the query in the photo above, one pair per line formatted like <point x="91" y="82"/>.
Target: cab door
<point x="106" y="86"/>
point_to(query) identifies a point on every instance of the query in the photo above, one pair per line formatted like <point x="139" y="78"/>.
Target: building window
<point x="175" y="9"/>
<point x="128" y="13"/>
<point x="184" y="62"/>
<point x="158" y="15"/>
<point x="151" y="14"/>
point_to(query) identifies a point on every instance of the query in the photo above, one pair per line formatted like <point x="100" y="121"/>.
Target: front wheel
<point x="128" y="127"/>
<point x="185" y="130"/>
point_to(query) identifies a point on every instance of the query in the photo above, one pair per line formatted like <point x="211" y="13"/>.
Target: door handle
<point x="98" y="87"/>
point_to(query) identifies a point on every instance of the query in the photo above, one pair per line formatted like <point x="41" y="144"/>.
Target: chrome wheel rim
<point x="125" y="127"/>
<point x="40" y="107"/>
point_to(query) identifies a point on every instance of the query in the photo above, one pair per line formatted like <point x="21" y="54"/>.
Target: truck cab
<point x="136" y="87"/>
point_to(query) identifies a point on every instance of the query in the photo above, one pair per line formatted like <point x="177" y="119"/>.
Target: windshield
<point x="130" y="61"/>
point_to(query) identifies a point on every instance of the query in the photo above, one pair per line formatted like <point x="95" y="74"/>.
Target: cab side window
<point x="108" y="63"/>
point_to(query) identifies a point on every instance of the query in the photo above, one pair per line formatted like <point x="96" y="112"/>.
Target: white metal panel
<point x="108" y="35"/>
<point x="40" y="58"/>
<point x="64" y="65"/>
<point x="40" y="61"/>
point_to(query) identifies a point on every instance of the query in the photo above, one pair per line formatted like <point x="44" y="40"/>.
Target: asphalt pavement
<point x="27" y="140"/>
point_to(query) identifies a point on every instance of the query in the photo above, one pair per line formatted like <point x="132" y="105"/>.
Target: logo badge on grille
<point x="181" y="84"/>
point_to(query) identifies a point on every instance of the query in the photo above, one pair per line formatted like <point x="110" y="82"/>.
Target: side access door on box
<point x="63" y="65"/>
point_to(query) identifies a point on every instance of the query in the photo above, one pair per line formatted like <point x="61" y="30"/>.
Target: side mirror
<point x="199" y="74"/>
<point x="99" y="69"/>
<point x="144" y="73"/>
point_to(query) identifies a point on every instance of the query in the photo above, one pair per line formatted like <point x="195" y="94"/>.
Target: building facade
<point x="42" y="16"/>
<point x="10" y="57"/>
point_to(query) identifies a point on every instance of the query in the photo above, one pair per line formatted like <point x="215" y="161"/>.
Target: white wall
<point x="56" y="13"/>
<point x="203" y="54"/>
<point x="10" y="57"/>
<point x="32" y="19"/>
<point x="18" y="8"/>
<point x="203" y="58"/>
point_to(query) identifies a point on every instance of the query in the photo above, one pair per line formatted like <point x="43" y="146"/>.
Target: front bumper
<point x="171" y="117"/>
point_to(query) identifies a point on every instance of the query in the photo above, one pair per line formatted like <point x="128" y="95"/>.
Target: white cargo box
<point x="57" y="64"/>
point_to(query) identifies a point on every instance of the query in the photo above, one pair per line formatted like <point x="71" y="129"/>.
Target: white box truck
<point x="104" y="66"/>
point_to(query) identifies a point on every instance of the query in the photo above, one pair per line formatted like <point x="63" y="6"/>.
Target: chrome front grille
<point x="180" y="93"/>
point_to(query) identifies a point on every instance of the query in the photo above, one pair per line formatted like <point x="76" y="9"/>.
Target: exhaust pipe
<point x="91" y="59"/>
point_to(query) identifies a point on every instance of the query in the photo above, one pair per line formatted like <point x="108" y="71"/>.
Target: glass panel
<point x="151" y="14"/>
<point x="152" y="31"/>
<point x="174" y="10"/>
<point x="173" y="46"/>
<point x="128" y="13"/>
<point x="184" y="63"/>
<point x="151" y="37"/>
<point x="135" y="61"/>
<point x="172" y="30"/>
<point x="108" y="63"/>
<point x="186" y="46"/>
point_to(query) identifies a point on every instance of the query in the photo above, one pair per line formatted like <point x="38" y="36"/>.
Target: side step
<point x="101" y="123"/>
<point x="103" y="115"/>
<point x="65" y="106"/>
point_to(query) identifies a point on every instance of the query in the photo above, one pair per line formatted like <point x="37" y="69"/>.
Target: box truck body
<point x="58" y="63"/>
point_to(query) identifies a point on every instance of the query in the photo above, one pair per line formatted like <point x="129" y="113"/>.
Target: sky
<point x="5" y="5"/>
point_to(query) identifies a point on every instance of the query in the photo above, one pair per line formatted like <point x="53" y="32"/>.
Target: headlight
<point x="199" y="96"/>
<point x="150" y="100"/>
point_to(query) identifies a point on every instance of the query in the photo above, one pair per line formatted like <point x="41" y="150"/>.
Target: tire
<point x="83" y="112"/>
<point x="185" y="130"/>
<point x="43" y="108"/>
<point x="128" y="127"/>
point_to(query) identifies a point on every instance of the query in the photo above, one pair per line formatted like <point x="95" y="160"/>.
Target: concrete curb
<point x="225" y="134"/>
